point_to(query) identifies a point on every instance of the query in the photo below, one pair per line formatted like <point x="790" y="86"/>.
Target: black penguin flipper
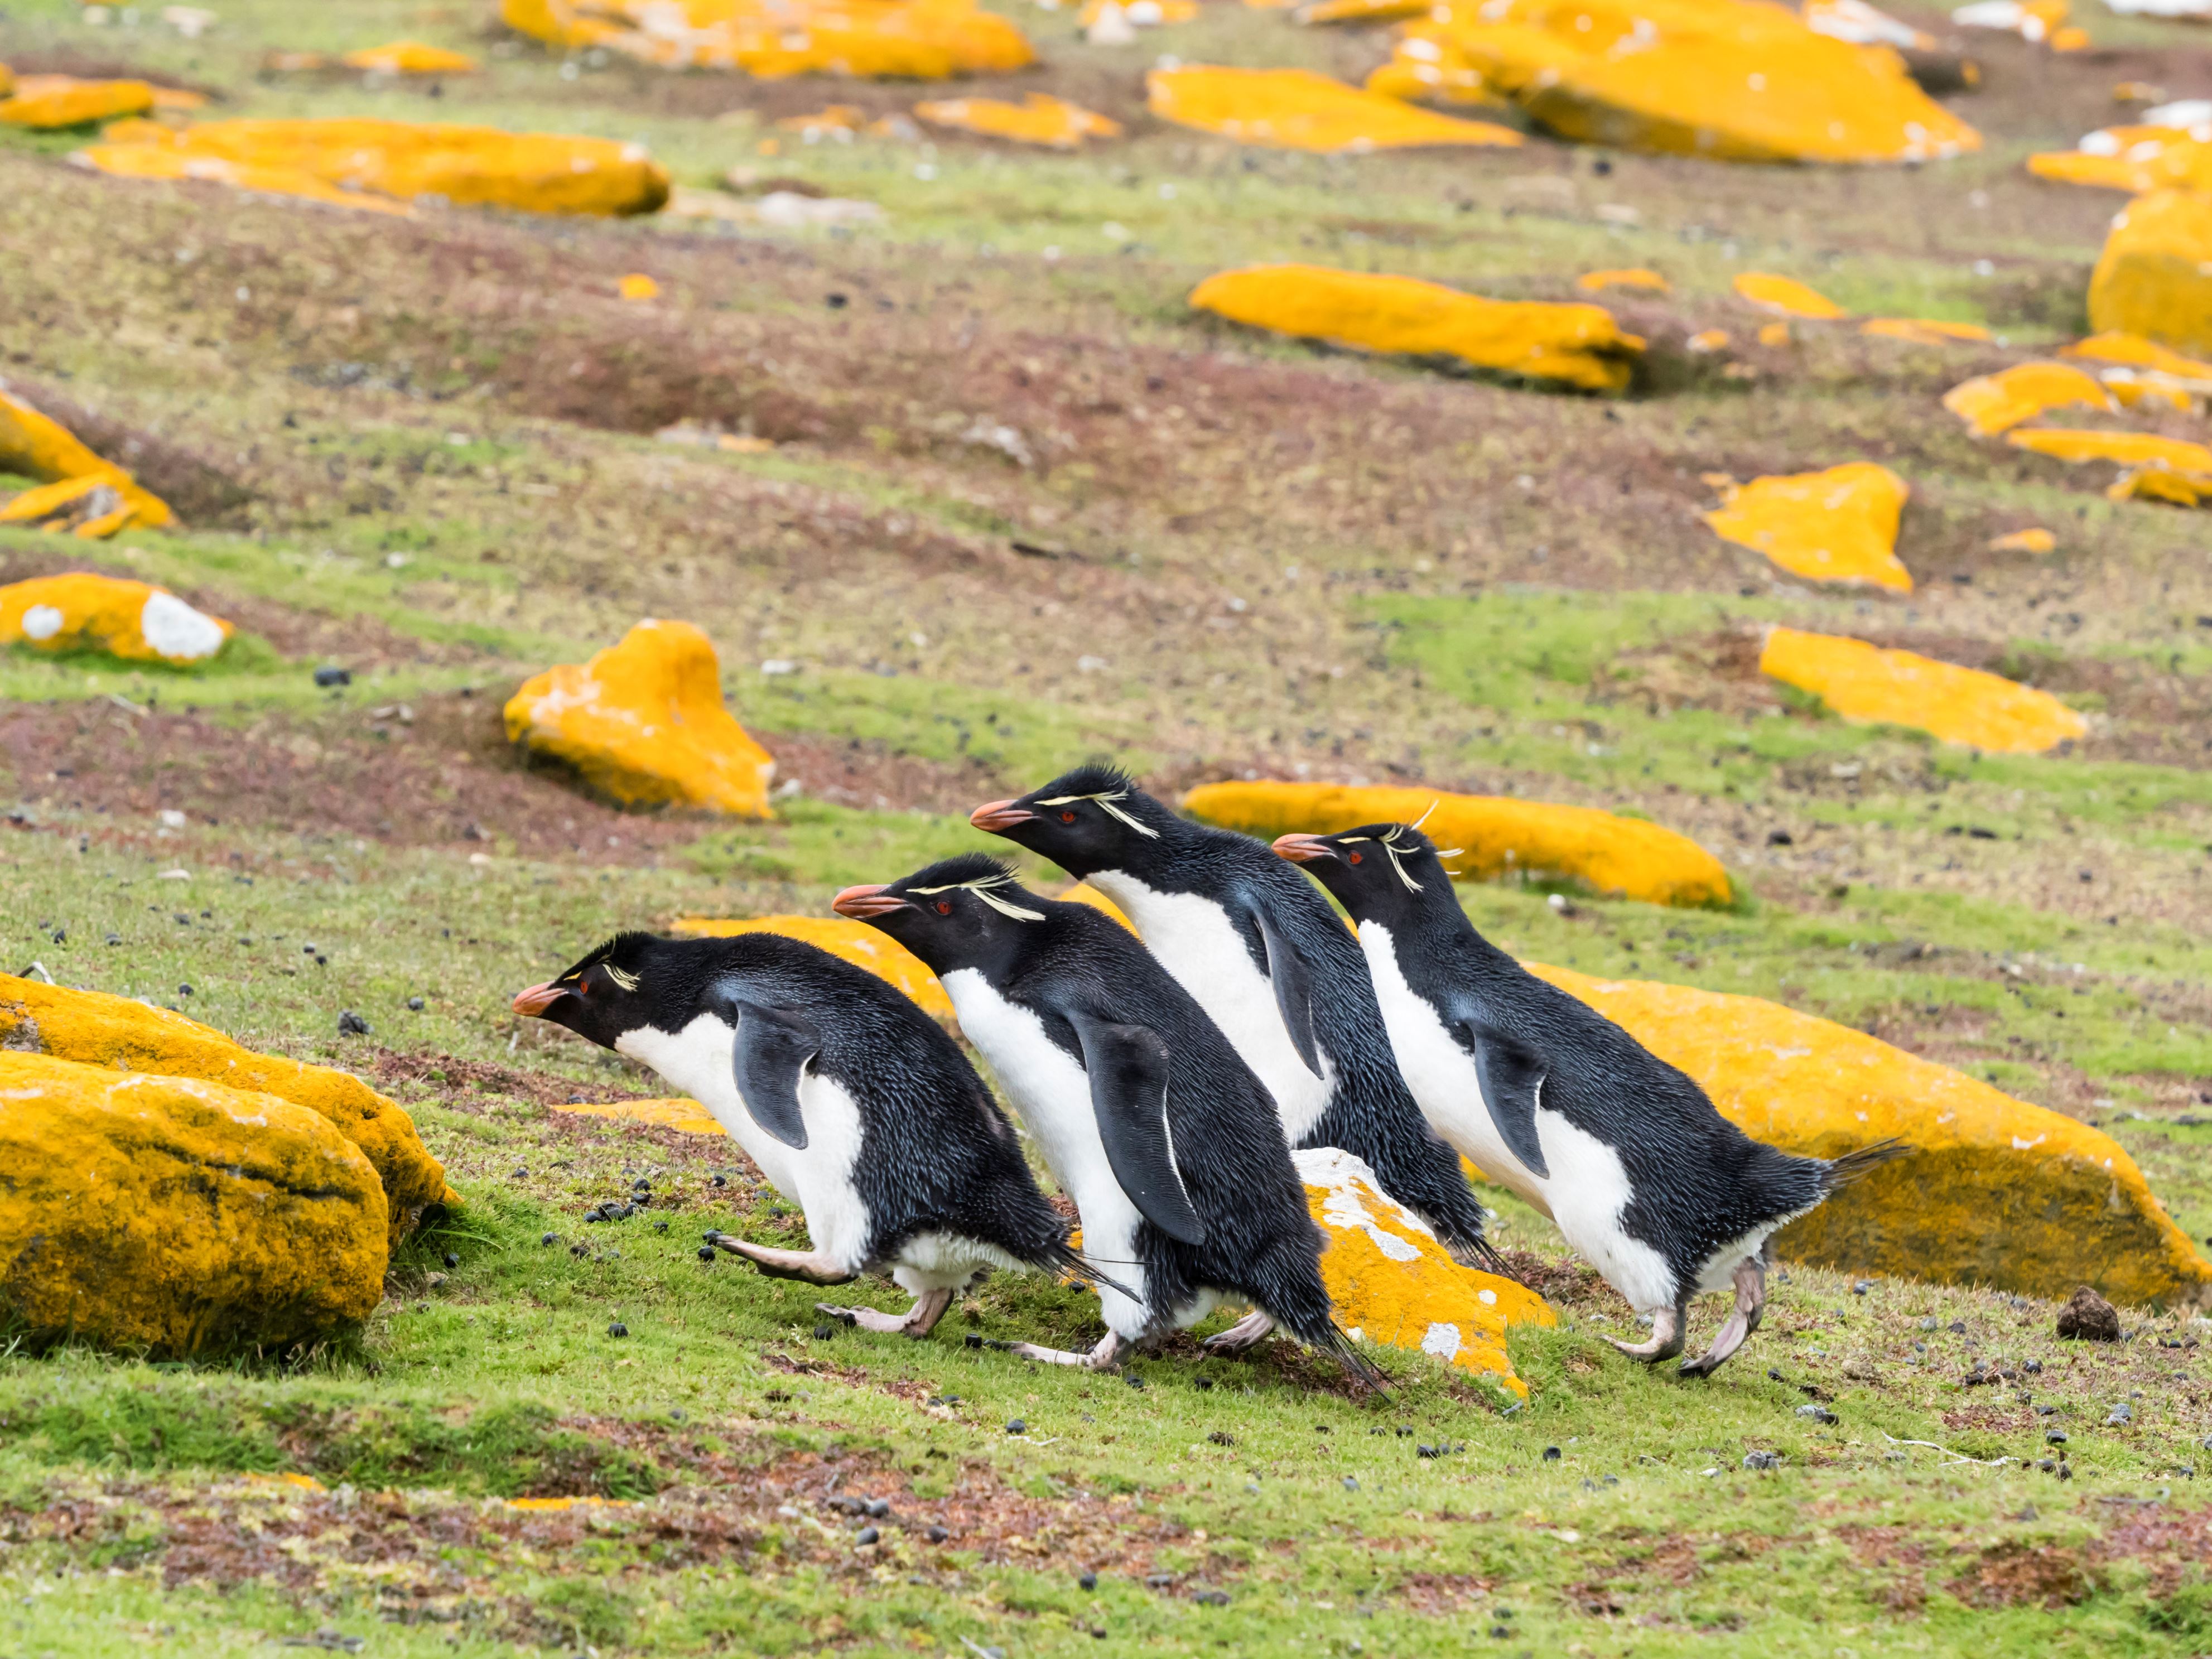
<point x="1129" y="1070"/>
<point x="772" y="1050"/>
<point x="1294" y="981"/>
<point x="1512" y="1078"/>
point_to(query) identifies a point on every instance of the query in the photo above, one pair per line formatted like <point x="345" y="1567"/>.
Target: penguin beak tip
<point x="537" y="999"/>
<point x="1303" y="849"/>
<point x="865" y="903"/>
<point x="1000" y="815"/>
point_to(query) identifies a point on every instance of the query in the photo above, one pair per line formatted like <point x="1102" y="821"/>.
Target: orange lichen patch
<point x="1596" y="281"/>
<point x="1040" y="119"/>
<point x="1921" y="331"/>
<point x="1785" y="295"/>
<point x="409" y="57"/>
<point x="354" y="161"/>
<point x="684" y="1115"/>
<point x="132" y="620"/>
<point x="173" y="1214"/>
<point x="1862" y="24"/>
<point x="1361" y="11"/>
<point x="1840" y="525"/>
<point x="179" y="98"/>
<point x="1140" y="14"/>
<point x="637" y="286"/>
<point x="1991" y="404"/>
<point x="2071" y="38"/>
<point x="1389" y="1281"/>
<point x="856" y="941"/>
<point x="92" y="1029"/>
<point x="48" y="101"/>
<point x="1579" y="344"/>
<point x="2037" y="540"/>
<point x="1084" y="893"/>
<point x="1996" y="1192"/>
<point x="1707" y="340"/>
<point x="2134" y="158"/>
<point x="92" y="496"/>
<point x="586" y="1502"/>
<point x="1499" y="835"/>
<point x="1297" y="109"/>
<point x="2159" y="483"/>
<point x="1723" y="79"/>
<point x="1774" y="334"/>
<point x="908" y="39"/>
<point x="1870" y="686"/>
<point x="2127" y="448"/>
<point x="642" y="722"/>
<point x="7" y="81"/>
<point x="2155" y="276"/>
<point x="845" y="119"/>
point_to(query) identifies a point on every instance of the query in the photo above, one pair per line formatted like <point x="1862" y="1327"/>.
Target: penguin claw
<point x="1245" y="1333"/>
<point x="1666" y="1339"/>
<point x="1750" y="1304"/>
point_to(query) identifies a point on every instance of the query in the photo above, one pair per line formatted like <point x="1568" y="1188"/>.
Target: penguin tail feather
<point x="1856" y="1166"/>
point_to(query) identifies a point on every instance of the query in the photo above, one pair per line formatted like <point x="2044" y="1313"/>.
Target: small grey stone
<point x="1762" y="1460"/>
<point x="1817" y="1413"/>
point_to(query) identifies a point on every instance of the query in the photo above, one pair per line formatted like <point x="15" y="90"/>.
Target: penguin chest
<point x="1198" y="945"/>
<point x="818" y="1176"/>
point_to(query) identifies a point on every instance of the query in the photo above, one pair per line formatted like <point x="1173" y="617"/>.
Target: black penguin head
<point x="1379" y="871"/>
<point x="1090" y="819"/>
<point x="965" y="912"/>
<point x="631" y="980"/>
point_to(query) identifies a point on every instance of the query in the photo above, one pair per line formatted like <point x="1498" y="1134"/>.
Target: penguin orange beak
<point x="1000" y="815"/>
<point x="1303" y="849"/>
<point x="537" y="999"/>
<point x="865" y="903"/>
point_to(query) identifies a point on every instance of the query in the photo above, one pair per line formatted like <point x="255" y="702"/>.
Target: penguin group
<point x="1165" y="1078"/>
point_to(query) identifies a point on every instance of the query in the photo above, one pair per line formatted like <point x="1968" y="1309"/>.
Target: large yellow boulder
<point x="132" y="620"/>
<point x="854" y="941"/>
<point x="1389" y="1281"/>
<point x="1040" y="118"/>
<point x="1578" y="344"/>
<point x="1840" y="525"/>
<point x="1497" y="834"/>
<point x="46" y="101"/>
<point x="643" y="723"/>
<point x="1991" y="404"/>
<point x="1871" y="686"/>
<point x="1297" y="109"/>
<point x="2154" y="276"/>
<point x="172" y="1214"/>
<point x="1996" y="1192"/>
<point x="97" y="497"/>
<point x="400" y="161"/>
<point x="908" y="39"/>
<point x="92" y="1029"/>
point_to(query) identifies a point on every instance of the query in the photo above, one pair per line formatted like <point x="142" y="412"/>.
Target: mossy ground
<point x="423" y="452"/>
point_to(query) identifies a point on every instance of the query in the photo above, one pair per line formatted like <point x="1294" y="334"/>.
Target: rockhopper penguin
<point x="1646" y="1180"/>
<point x="852" y="1101"/>
<point x="1152" y="1124"/>
<point x="1271" y="963"/>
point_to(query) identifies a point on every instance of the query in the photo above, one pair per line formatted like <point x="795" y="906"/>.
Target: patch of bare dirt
<point x="2016" y="1573"/>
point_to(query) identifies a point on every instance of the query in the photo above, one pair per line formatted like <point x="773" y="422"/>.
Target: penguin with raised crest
<point x="1141" y="1108"/>
<point x="1646" y="1179"/>
<point x="853" y="1103"/>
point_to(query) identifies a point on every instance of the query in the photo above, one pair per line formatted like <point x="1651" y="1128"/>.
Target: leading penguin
<point x="1644" y="1177"/>
<point x="1269" y="961"/>
<point x="1142" y="1110"/>
<point x="852" y="1101"/>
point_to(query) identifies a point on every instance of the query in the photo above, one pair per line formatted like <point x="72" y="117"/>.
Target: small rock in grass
<point x="877" y="1507"/>
<point x="1213" y="1598"/>
<point x="2087" y="1317"/>
<point x="1551" y="1454"/>
<point x="548" y="1238"/>
<point x="452" y="1260"/>
<point x="1762" y="1460"/>
<point x="2054" y="1437"/>
<point x="2122" y="1412"/>
<point x="867" y="1535"/>
<point x="327" y="678"/>
<point x="351" y="1024"/>
<point x="1351" y="1483"/>
<point x="823" y="1331"/>
<point x="1088" y="1580"/>
<point x="1861" y="1286"/>
<point x="1016" y="1425"/>
<point x="414" y="1004"/>
<point x="617" y="1328"/>
<point x="938" y="1536"/>
<point x="1160" y="1580"/>
<point x="706" y="1253"/>
<point x="1818" y="1413"/>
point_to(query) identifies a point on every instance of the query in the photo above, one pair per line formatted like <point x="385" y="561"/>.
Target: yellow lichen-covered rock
<point x="2145" y="358"/>
<point x="1497" y="834"/>
<point x="1040" y="119"/>
<point x="1728" y="80"/>
<point x="99" y="496"/>
<point x="1996" y="1192"/>
<point x="1359" y="11"/>
<point x="1297" y="109"/>
<point x="1785" y="296"/>
<point x="409" y="57"/>
<point x="7" y="81"/>
<point x="909" y="39"/>
<point x="49" y="101"/>
<point x="174" y="1215"/>
<point x="643" y="723"/>
<point x="1924" y="331"/>
<point x="92" y="1029"/>
<point x="1389" y="1281"/>
<point x="1840" y="525"/>
<point x="2035" y="539"/>
<point x="132" y="620"/>
<point x="1863" y="24"/>
<point x="401" y="161"/>
<point x="680" y="1113"/>
<point x="2134" y="158"/>
<point x="1989" y="404"/>
<point x="2152" y="467"/>
<point x="1865" y="683"/>
<point x="856" y="941"/>
<point x="1578" y="344"/>
<point x="2155" y="276"/>
<point x="1596" y="281"/>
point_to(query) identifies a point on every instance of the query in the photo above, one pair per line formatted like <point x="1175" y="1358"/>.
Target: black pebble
<point x="1551" y="1454"/>
<point x="520" y="1173"/>
<point x="1211" y="1598"/>
<point x="452" y="1260"/>
<point x="660" y="1227"/>
<point x="836" y="301"/>
<point x="351" y="1024"/>
<point x="1601" y="166"/>
<point x="974" y="1340"/>
<point x="1500" y="1631"/>
<point x="414" y="1004"/>
<point x="327" y="678"/>
<point x="822" y="1331"/>
<point x="1134" y="1381"/>
<point x="879" y="1507"/>
<point x="549" y="1239"/>
<point x="706" y="1253"/>
<point x="1016" y="1425"/>
<point x="937" y="1534"/>
<point x="867" y="1535"/>
<point x="1427" y="1451"/>
<point x="184" y="990"/>
<point x="719" y="1180"/>
<point x="1089" y="1581"/>
<point x="2055" y="1437"/>
<point x="618" y="1329"/>
<point x="115" y="939"/>
<point x="1203" y="1382"/>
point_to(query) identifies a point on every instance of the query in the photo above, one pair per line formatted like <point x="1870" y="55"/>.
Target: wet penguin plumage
<point x="852" y="1101"/>
<point x="1644" y="1177"/>
<point x="1266" y="956"/>
<point x="1142" y="1109"/>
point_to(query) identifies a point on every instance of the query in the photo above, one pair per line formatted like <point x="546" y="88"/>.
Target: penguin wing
<point x="772" y="1051"/>
<point x="1129" y="1070"/>
<point x="1293" y="982"/>
<point x="1512" y="1078"/>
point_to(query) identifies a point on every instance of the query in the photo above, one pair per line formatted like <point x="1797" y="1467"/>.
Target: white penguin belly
<point x="1585" y="1187"/>
<point x="819" y="1177"/>
<point x="1052" y="1094"/>
<point x="1195" y="941"/>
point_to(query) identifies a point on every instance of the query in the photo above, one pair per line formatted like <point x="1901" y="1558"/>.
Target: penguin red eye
<point x="944" y="907"/>
<point x="1068" y="817"/>
<point x="1354" y="857"/>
